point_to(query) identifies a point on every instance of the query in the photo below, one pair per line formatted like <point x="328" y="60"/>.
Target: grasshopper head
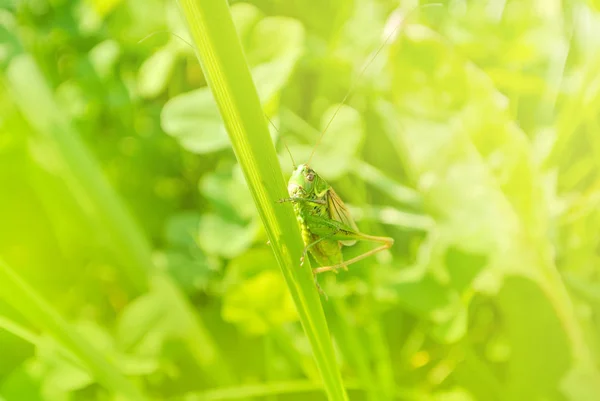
<point x="302" y="181"/>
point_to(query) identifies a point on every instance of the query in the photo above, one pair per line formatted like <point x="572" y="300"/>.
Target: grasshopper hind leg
<point x="386" y="244"/>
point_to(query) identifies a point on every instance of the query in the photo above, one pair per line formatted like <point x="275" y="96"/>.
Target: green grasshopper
<point x="325" y="222"/>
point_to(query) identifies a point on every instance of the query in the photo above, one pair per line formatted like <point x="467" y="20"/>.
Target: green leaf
<point x="141" y="325"/>
<point x="181" y="230"/>
<point x="255" y="296"/>
<point x="259" y="304"/>
<point x="218" y="235"/>
<point x="228" y="193"/>
<point x="533" y="328"/>
<point x="21" y="383"/>
<point x="64" y="377"/>
<point x="104" y="57"/>
<point x="192" y="118"/>
<point x="155" y="72"/>
<point x="245" y="16"/>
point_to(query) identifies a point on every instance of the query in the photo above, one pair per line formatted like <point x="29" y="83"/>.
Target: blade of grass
<point x="83" y="176"/>
<point x="348" y="339"/>
<point x="228" y="76"/>
<point x="87" y="183"/>
<point x="258" y="390"/>
<point x="19" y="331"/>
<point x="25" y="300"/>
<point x="379" y="347"/>
<point x="38" y="341"/>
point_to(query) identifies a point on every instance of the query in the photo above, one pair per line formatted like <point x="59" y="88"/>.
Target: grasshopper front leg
<point x="297" y="199"/>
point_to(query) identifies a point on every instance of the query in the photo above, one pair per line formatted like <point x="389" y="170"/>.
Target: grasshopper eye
<point x="310" y="177"/>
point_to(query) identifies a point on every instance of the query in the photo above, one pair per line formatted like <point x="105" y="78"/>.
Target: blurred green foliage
<point x="133" y="263"/>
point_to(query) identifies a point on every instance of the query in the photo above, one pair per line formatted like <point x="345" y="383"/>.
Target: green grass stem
<point x="227" y="73"/>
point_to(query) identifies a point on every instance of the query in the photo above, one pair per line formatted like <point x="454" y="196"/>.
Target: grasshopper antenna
<point x="169" y="32"/>
<point x="283" y="140"/>
<point x="364" y="69"/>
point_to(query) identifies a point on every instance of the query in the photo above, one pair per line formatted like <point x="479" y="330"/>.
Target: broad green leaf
<point x="193" y="119"/>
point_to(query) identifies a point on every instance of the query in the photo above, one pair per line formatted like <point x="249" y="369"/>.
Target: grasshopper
<point x="325" y="222"/>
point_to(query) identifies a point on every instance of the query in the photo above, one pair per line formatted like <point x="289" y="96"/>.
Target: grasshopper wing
<point x="339" y="212"/>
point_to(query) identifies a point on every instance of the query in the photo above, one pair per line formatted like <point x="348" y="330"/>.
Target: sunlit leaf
<point x="193" y="118"/>
<point x="155" y="72"/>
<point x="223" y="237"/>
<point x="256" y="299"/>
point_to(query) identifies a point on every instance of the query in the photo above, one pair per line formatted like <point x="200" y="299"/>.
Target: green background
<point x="133" y="263"/>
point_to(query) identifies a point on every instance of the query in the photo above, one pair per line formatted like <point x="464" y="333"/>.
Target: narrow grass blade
<point x="348" y="339"/>
<point x="81" y="172"/>
<point x="25" y="300"/>
<point x="228" y="75"/>
<point x="19" y="331"/>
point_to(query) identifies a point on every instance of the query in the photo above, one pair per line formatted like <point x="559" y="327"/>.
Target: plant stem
<point x="228" y="76"/>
